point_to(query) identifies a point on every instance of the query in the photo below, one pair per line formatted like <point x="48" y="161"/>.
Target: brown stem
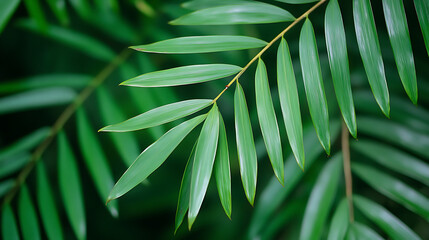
<point x="62" y="119"/>
<point x="347" y="172"/>
<point x="257" y="56"/>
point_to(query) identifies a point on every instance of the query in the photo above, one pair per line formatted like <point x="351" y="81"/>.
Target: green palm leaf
<point x="289" y="102"/>
<point x="340" y="222"/>
<point x="396" y="21"/>
<point x="222" y="169"/>
<point x="8" y="224"/>
<point x="7" y="8"/>
<point x="369" y="48"/>
<point x="153" y="157"/>
<point x="183" y="75"/>
<point x="238" y="13"/>
<point x="202" y="44"/>
<point x="268" y="120"/>
<point x="27" y="215"/>
<point x="360" y="231"/>
<point x="245" y="145"/>
<point x="313" y="83"/>
<point x="205" y="153"/>
<point x="422" y="9"/>
<point x="339" y="63"/>
<point x="160" y="115"/>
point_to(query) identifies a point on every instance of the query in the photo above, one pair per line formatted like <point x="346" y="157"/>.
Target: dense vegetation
<point x="314" y="112"/>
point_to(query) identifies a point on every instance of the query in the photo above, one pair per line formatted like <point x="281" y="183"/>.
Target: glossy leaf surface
<point x="205" y="154"/>
<point x="289" y="102"/>
<point x="339" y="63"/>
<point x="202" y="44"/>
<point x="369" y="48"/>
<point x="245" y="144"/>
<point x="238" y="13"/>
<point x="397" y="27"/>
<point x="268" y="120"/>
<point x="313" y="83"/>
<point x="183" y="75"/>
<point x="153" y="157"/>
<point x="160" y="115"/>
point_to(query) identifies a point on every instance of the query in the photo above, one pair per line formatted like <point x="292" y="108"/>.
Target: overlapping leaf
<point x="268" y="120"/>
<point x="360" y="231"/>
<point x="205" y="153"/>
<point x="153" y="157"/>
<point x="369" y="48"/>
<point x="297" y="1"/>
<point x="313" y="83"/>
<point x="339" y="63"/>
<point x="391" y="225"/>
<point x="95" y="160"/>
<point x="289" y="102"/>
<point x="27" y="215"/>
<point x="7" y="8"/>
<point x="200" y="4"/>
<point x="321" y="198"/>
<point x="8" y="224"/>
<point x="222" y="169"/>
<point x="236" y="13"/>
<point x="340" y="222"/>
<point x="422" y="9"/>
<point x="202" y="44"/>
<point x="71" y="187"/>
<point x="183" y="75"/>
<point x="245" y="144"/>
<point x="58" y="7"/>
<point x="394" y="189"/>
<point x="160" y="115"/>
<point x="397" y="27"/>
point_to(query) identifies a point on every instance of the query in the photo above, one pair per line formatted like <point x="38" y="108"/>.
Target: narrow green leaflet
<point x="274" y="194"/>
<point x="394" y="159"/>
<point x="339" y="63"/>
<point x="83" y="43"/>
<point x="321" y="198"/>
<point x="183" y="75"/>
<point x="222" y="170"/>
<point x="238" y="13"/>
<point x="46" y="203"/>
<point x="70" y="187"/>
<point x="7" y="8"/>
<point x="369" y="48"/>
<point x="13" y="163"/>
<point x="340" y="222"/>
<point x="153" y="157"/>
<point x="390" y="224"/>
<point x="126" y="143"/>
<point x="95" y="160"/>
<point x="26" y="143"/>
<point x="160" y="115"/>
<point x="36" y="13"/>
<point x="202" y="44"/>
<point x="245" y="145"/>
<point x="27" y="215"/>
<point x="200" y="4"/>
<point x="184" y="193"/>
<point x="205" y="153"/>
<point x="45" y="81"/>
<point x="289" y="102"/>
<point x="268" y="120"/>
<point x="58" y="7"/>
<point x="8" y="224"/>
<point x="397" y="27"/>
<point x="422" y="9"/>
<point x="6" y="186"/>
<point x="359" y="231"/>
<point x="394" y="189"/>
<point x="34" y="99"/>
<point x="313" y="83"/>
<point x="297" y="1"/>
<point x="395" y="133"/>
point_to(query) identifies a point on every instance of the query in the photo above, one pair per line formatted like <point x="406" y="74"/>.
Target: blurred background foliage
<point x="52" y="50"/>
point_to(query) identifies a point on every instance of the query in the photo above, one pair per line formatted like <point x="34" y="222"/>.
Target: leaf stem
<point x="257" y="56"/>
<point x="62" y="120"/>
<point x="347" y="172"/>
